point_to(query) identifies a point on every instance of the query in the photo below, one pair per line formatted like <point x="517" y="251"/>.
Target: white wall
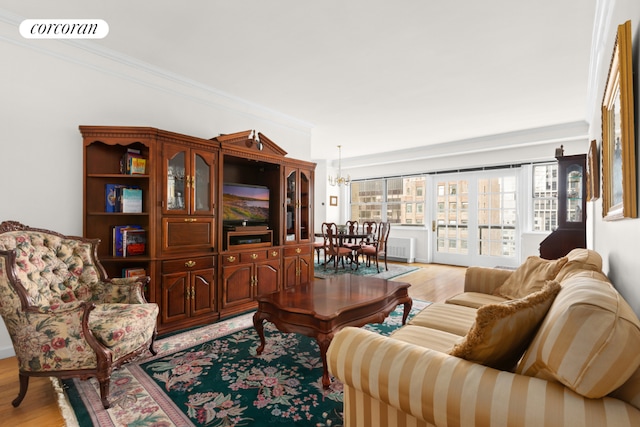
<point x="49" y="88"/>
<point x="616" y="241"/>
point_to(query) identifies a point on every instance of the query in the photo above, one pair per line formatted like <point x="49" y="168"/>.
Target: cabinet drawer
<point x="187" y="233"/>
<point x="187" y="264"/>
<point x="253" y="256"/>
<point x="230" y="258"/>
<point x="297" y="250"/>
<point x="273" y="253"/>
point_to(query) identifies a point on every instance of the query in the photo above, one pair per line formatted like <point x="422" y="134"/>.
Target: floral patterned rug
<point x="211" y="376"/>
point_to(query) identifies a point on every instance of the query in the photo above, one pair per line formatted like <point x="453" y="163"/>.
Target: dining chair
<point x="320" y="246"/>
<point x="351" y="227"/>
<point x="377" y="248"/>
<point x="370" y="228"/>
<point x="334" y="249"/>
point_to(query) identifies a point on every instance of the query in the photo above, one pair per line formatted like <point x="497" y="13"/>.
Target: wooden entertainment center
<point x="202" y="266"/>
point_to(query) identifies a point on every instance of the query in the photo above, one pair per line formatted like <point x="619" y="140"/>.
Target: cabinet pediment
<point x="252" y="141"/>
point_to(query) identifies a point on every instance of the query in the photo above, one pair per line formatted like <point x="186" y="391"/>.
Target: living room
<point x="53" y="87"/>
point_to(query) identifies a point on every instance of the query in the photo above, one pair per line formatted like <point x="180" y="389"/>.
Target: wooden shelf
<point x="246" y="239"/>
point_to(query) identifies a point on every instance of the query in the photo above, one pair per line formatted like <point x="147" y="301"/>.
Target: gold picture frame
<point x="593" y="172"/>
<point x="333" y="200"/>
<point x="618" y="138"/>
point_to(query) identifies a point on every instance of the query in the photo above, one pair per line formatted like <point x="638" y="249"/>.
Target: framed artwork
<point x="618" y="138"/>
<point x="593" y="172"/>
<point x="333" y="200"/>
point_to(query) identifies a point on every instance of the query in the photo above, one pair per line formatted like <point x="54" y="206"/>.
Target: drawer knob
<point x="189" y="264"/>
<point x="231" y="258"/>
<point x="298" y="250"/>
<point x="254" y="256"/>
<point x="274" y="253"/>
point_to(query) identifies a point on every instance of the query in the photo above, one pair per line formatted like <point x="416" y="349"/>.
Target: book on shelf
<point x="134" y="272"/>
<point x="123" y="198"/>
<point x="137" y="165"/>
<point x="117" y="238"/>
<point x="131" y="200"/>
<point x="133" y="162"/>
<point x="134" y="242"/>
<point x="111" y="197"/>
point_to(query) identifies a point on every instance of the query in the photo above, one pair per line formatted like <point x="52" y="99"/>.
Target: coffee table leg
<point x="407" y="309"/>
<point x="323" y="343"/>
<point x="258" y="324"/>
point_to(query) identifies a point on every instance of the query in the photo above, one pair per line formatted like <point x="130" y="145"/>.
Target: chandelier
<point x="339" y="180"/>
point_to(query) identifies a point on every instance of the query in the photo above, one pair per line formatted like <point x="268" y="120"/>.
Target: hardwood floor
<point x="433" y="282"/>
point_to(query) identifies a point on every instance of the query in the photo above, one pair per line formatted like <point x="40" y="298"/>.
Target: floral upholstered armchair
<point x="65" y="317"/>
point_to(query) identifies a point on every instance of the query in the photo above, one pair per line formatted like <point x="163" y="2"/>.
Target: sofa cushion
<point x="455" y="319"/>
<point x="475" y="299"/>
<point x="579" y="260"/>
<point x="502" y="332"/>
<point x="589" y="341"/>
<point x="433" y="339"/>
<point x="530" y="277"/>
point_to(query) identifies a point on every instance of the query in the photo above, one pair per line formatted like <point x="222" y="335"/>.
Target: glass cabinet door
<point x="305" y="208"/>
<point x="298" y="205"/>
<point x="291" y="201"/>
<point x="202" y="182"/>
<point x="574" y="193"/>
<point x="176" y="176"/>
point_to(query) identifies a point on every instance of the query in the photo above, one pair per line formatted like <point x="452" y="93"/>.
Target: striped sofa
<point x="566" y="352"/>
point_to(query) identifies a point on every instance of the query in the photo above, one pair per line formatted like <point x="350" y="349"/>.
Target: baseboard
<point x="6" y="352"/>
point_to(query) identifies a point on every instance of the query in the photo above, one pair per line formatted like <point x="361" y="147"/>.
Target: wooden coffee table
<point x="322" y="307"/>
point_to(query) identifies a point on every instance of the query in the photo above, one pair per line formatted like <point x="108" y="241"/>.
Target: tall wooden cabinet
<point x="202" y="267"/>
<point x="572" y="201"/>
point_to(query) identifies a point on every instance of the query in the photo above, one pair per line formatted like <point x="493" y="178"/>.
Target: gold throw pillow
<point x="502" y="332"/>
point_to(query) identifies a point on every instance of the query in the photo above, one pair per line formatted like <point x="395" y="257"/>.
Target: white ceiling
<point x="371" y="75"/>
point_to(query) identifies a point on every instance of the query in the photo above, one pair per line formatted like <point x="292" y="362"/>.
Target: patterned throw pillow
<point x="530" y="277"/>
<point x="502" y="332"/>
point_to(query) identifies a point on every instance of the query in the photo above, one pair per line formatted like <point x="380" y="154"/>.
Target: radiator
<point x="401" y="249"/>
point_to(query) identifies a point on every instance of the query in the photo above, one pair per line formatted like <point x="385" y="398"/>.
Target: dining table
<point x="345" y="235"/>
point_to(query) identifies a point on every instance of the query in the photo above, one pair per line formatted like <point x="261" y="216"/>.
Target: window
<point x="399" y="200"/>
<point x="497" y="211"/>
<point x="452" y="216"/>
<point x="545" y="197"/>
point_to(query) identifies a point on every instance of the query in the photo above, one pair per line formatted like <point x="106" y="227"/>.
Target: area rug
<point x="211" y="376"/>
<point x="394" y="271"/>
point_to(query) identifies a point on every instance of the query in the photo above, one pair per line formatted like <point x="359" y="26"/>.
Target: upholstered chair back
<point x="51" y="268"/>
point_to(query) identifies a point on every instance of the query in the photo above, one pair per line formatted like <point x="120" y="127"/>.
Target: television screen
<point x="248" y="203"/>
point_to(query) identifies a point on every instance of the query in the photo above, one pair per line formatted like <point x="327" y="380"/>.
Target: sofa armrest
<point x="447" y="391"/>
<point x="484" y="279"/>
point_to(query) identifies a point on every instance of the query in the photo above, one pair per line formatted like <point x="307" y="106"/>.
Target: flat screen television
<point x="248" y="204"/>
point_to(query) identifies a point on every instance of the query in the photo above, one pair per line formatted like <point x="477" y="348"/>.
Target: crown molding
<point x="600" y="53"/>
<point x="126" y="67"/>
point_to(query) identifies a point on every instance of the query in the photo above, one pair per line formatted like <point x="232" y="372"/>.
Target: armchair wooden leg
<point x="153" y="340"/>
<point x="104" y="392"/>
<point x="24" y="385"/>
